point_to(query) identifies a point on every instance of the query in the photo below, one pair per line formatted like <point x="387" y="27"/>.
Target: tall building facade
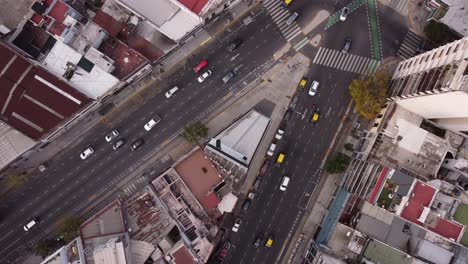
<point x="434" y="85"/>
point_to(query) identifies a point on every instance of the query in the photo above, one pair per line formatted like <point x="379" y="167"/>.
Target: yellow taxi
<point x="302" y="83"/>
<point x="315" y="116"/>
<point x="287" y="2"/>
<point x="280" y="159"/>
<point x="269" y="241"/>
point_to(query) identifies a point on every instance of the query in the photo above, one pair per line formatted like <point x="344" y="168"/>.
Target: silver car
<point x="293" y="17"/>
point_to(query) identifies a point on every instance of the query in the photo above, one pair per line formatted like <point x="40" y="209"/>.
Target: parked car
<point x="344" y="13"/>
<point x="200" y="66"/>
<point x="136" y="144"/>
<point x="257" y="183"/>
<point x="302" y="83"/>
<point x="246" y="205"/>
<point x="118" y="144"/>
<point x="234" y="45"/>
<point x="347" y="45"/>
<point x="112" y="135"/>
<point x="237" y="224"/>
<point x="288" y="114"/>
<point x="153" y="121"/>
<point x="204" y="76"/>
<point x="269" y="241"/>
<point x="86" y="153"/>
<point x="265" y="166"/>
<point x="294" y="101"/>
<point x="280" y="131"/>
<point x="271" y="150"/>
<point x="229" y="76"/>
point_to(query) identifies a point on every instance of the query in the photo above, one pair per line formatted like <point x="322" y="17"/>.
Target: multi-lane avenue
<point x="71" y="184"/>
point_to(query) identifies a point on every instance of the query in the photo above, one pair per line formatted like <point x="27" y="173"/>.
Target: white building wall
<point x="443" y="105"/>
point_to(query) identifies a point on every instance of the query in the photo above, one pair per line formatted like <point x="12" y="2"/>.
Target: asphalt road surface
<point x="70" y="184"/>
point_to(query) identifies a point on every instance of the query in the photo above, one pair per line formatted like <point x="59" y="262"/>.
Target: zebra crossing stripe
<point x="345" y="62"/>
<point x="332" y="58"/>
<point x="282" y="17"/>
<point x="268" y="4"/>
<point x="325" y="55"/>
<point x="275" y="11"/>
<point x="353" y="66"/>
<point x="328" y="59"/>
<point x="288" y="31"/>
<point x="340" y="60"/>
<point x="317" y="55"/>
<point x="293" y="36"/>
<point x="301" y="44"/>
<point x="361" y="64"/>
<point x="350" y="63"/>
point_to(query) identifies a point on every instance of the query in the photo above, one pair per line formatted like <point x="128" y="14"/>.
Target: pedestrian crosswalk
<point x="410" y="45"/>
<point x="279" y="14"/>
<point x="345" y="61"/>
<point x="401" y="6"/>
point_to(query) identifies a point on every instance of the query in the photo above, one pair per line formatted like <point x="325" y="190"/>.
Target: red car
<point x="200" y="66"/>
<point x="265" y="166"/>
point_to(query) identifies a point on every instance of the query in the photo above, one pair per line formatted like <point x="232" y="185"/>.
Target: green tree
<point x="369" y="94"/>
<point x="46" y="247"/>
<point x="15" y="179"/>
<point x="194" y="132"/>
<point x="438" y="33"/>
<point x="68" y="228"/>
<point x="338" y="164"/>
<point x="349" y="147"/>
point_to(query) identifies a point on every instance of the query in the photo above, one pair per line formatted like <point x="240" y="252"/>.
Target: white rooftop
<point x="240" y="140"/>
<point x="93" y="84"/>
<point x="457" y="16"/>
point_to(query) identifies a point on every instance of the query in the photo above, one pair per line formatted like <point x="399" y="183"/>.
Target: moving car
<point x="150" y="124"/>
<point x="284" y="183"/>
<point x="112" y="135"/>
<point x="204" y="76"/>
<point x="229" y="76"/>
<point x="171" y="92"/>
<point x="258" y="240"/>
<point x="30" y="224"/>
<point x="269" y="241"/>
<point x="86" y="153"/>
<point x="271" y="150"/>
<point x="237" y="224"/>
<point x="315" y="116"/>
<point x="200" y="66"/>
<point x="234" y="45"/>
<point x="136" y="144"/>
<point x="347" y="45"/>
<point x="265" y="166"/>
<point x="344" y="13"/>
<point x="293" y="17"/>
<point x="313" y="88"/>
<point x="279" y="160"/>
<point x="286" y="3"/>
<point x="302" y="83"/>
<point x="118" y="144"/>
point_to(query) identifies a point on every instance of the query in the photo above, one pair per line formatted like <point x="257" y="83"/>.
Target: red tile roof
<point x="378" y="186"/>
<point x="183" y="256"/>
<point x="421" y="197"/>
<point x="57" y="28"/>
<point x="59" y="11"/>
<point x="448" y="229"/>
<point x="108" y="23"/>
<point x="194" y="5"/>
<point x="32" y="100"/>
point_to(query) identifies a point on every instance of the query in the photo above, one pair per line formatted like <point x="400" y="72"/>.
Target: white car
<point x="284" y="183"/>
<point x="150" y="124"/>
<point x="344" y="13"/>
<point x="279" y="134"/>
<point x="313" y="88"/>
<point x="86" y="153"/>
<point x="30" y="225"/>
<point x="171" y="92"/>
<point x="271" y="150"/>
<point x="204" y="76"/>
<point x="112" y="135"/>
<point x="236" y="225"/>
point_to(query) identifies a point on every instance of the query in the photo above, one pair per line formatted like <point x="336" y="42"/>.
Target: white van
<point x="284" y="183"/>
<point x="30" y="225"/>
<point x="171" y="92"/>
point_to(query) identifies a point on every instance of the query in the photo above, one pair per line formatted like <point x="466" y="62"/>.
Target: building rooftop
<point x="421" y="198"/>
<point x="92" y="81"/>
<point x="108" y="221"/>
<point x="456" y="16"/>
<point x="183" y="256"/>
<point x="12" y="144"/>
<point x="32" y="100"/>
<point x="147" y="218"/>
<point x="404" y="144"/>
<point x="378" y="252"/>
<point x="12" y="12"/>
<point x="201" y="177"/>
<point x="195" y="6"/>
<point x="433" y="253"/>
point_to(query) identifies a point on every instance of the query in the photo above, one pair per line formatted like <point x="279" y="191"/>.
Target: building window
<point x="376" y="124"/>
<point x="456" y="48"/>
<point x="440" y="53"/>
<point x="379" y="116"/>
<point x="435" y="53"/>
<point x="427" y="58"/>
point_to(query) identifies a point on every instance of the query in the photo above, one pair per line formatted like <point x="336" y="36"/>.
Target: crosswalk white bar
<point x="322" y="56"/>
<point x="293" y="36"/>
<point x="351" y="62"/>
<point x="278" y="12"/>
<point x="281" y="18"/>
<point x="344" y="63"/>
<point x="288" y="31"/>
<point x="355" y="64"/>
<point x="268" y="4"/>
<point x="325" y="56"/>
<point x="366" y="70"/>
<point x="274" y="8"/>
<point x="282" y="26"/>
<point x="317" y="55"/>
<point x="330" y="56"/>
<point x="301" y="44"/>
<point x="340" y="60"/>
<point x="336" y="61"/>
<point x="361" y="65"/>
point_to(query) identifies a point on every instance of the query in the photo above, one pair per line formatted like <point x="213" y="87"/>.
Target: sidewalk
<point x="129" y="98"/>
<point x="417" y="16"/>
